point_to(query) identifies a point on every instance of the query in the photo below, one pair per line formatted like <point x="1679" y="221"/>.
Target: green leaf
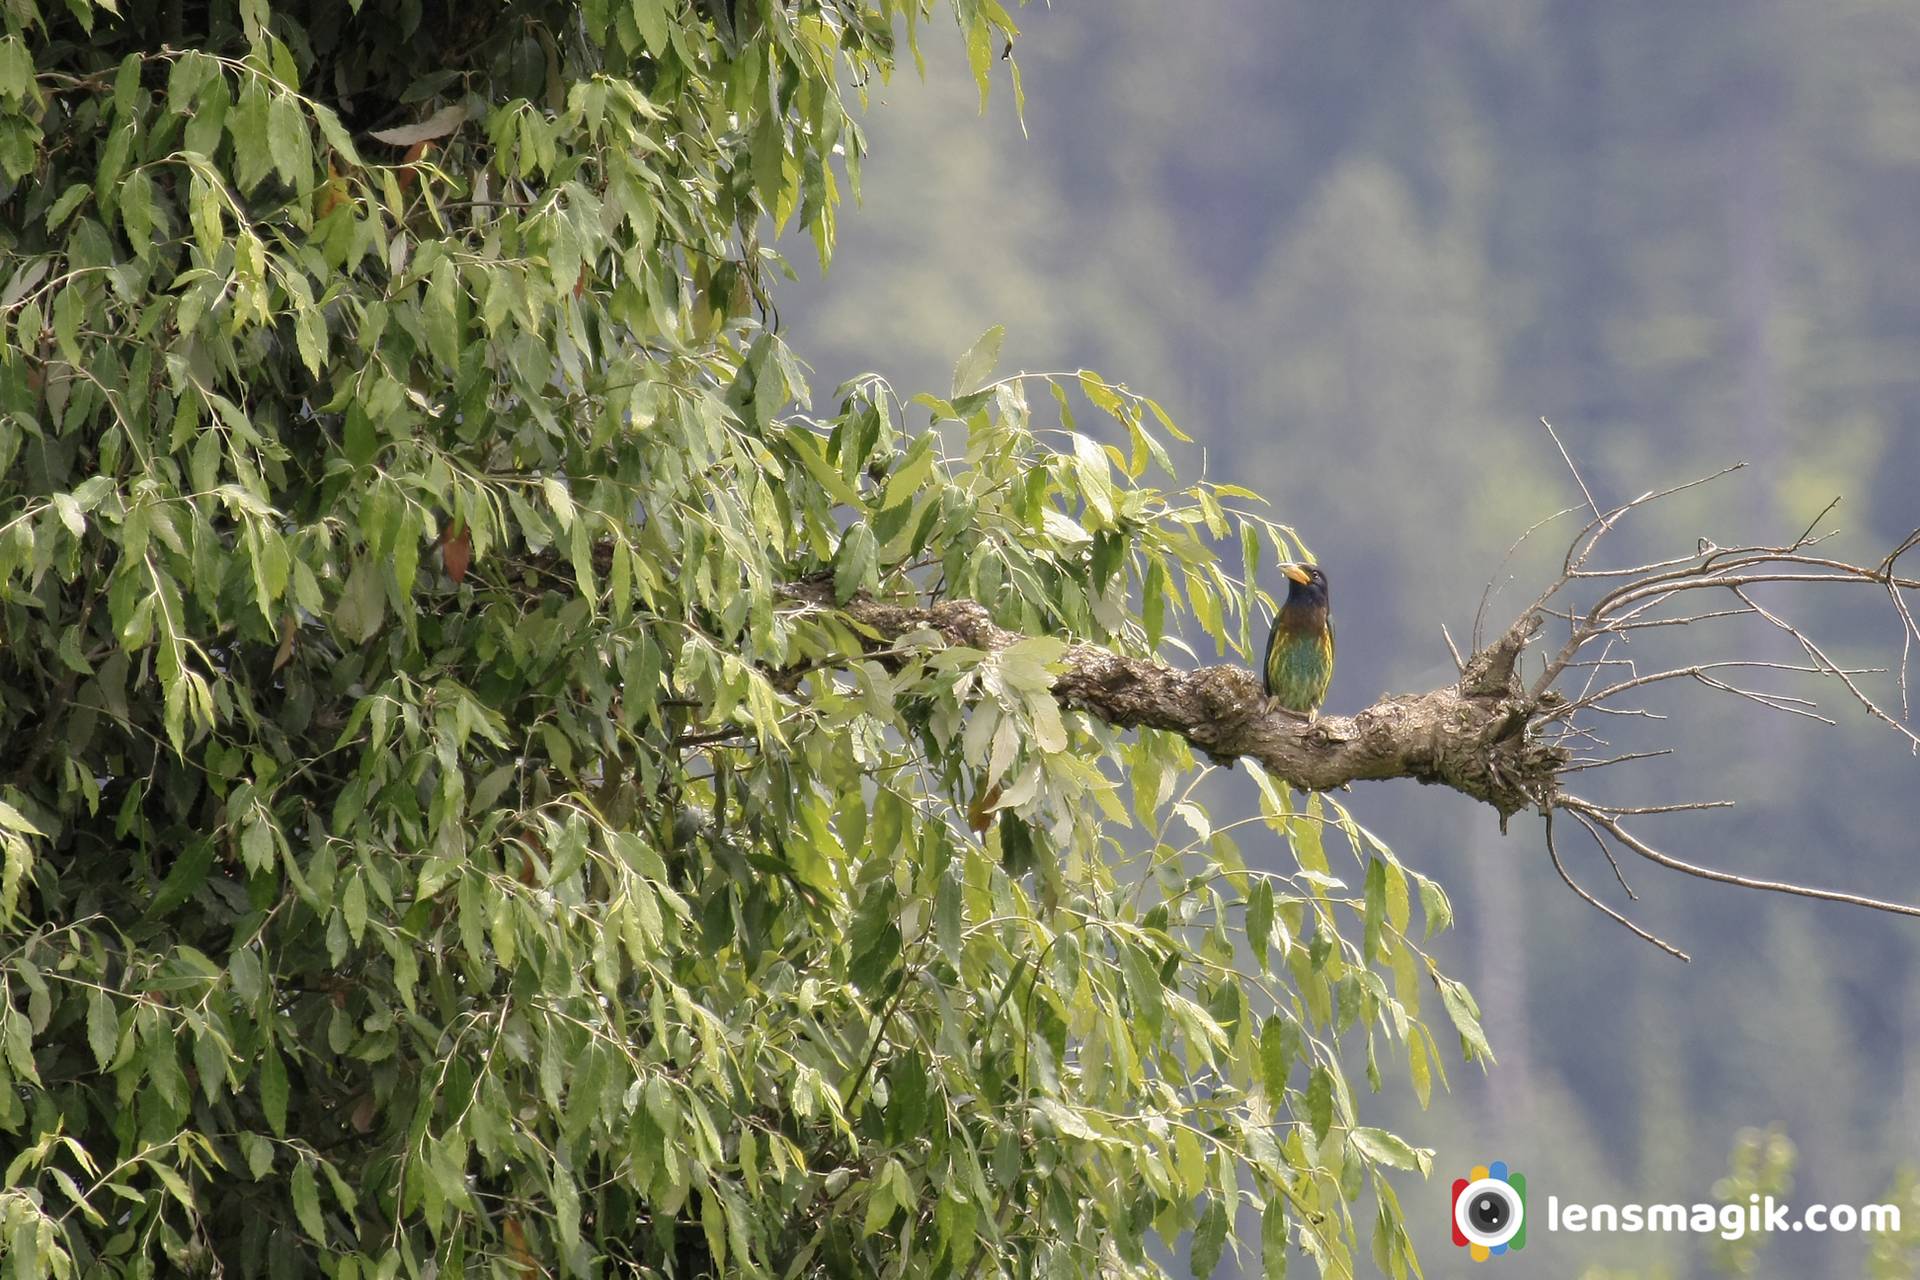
<point x="1260" y="922"/>
<point x="954" y="1216"/>
<point x="1397" y="906"/>
<point x="1209" y="1239"/>
<point x="440" y="313"/>
<point x="914" y="472"/>
<point x="1027" y="665"/>
<point x="62" y="209"/>
<point x="438" y="125"/>
<point x="11" y="818"/>
<point x="361" y="609"/>
<point x="768" y="161"/>
<point x="1319" y="1100"/>
<point x="880" y="1210"/>
<point x="353" y="907"/>
<point x="855" y="567"/>
<point x="188" y="872"/>
<point x="288" y="141"/>
<point x="19" y="147"/>
<point x="876" y="943"/>
<point x="651" y="18"/>
<point x="103" y="1027"/>
<point x="306" y="1201"/>
<point x="1466" y="1019"/>
<point x="1279" y="1043"/>
<point x="16" y="68"/>
<point x="566" y="1209"/>
<point x="1375" y="915"/>
<point x="979" y="37"/>
<point x="273" y="1090"/>
<point x="1383" y="1147"/>
<point x="1419" y="1070"/>
<point x="258" y="1150"/>
<point x="1434" y="905"/>
<point x="807" y="448"/>
<point x="247" y="125"/>
<point x="972" y="368"/>
<point x="1273" y="1239"/>
<point x="336" y="135"/>
<point x="559" y="500"/>
<point x="136" y="212"/>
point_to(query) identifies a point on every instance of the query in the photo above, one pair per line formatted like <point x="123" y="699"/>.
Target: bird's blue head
<point x="1307" y="585"/>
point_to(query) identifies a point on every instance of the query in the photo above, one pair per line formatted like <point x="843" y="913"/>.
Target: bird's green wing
<point x="1328" y="682"/>
<point x="1269" y="677"/>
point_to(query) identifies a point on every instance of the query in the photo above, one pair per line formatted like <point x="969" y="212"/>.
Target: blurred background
<point x="1358" y="251"/>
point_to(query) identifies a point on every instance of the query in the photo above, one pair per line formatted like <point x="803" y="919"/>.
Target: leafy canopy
<point x="434" y="837"/>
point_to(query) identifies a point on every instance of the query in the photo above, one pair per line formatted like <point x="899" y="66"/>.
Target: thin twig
<point x="1806" y="536"/>
<point x="1459" y="663"/>
<point x="1578" y="765"/>
<point x="1687" y="806"/>
<point x="1605" y="852"/>
<point x="1651" y="854"/>
<point x="1577" y="477"/>
<point x="1601" y="907"/>
<point x="1488" y="592"/>
<point x="1818" y="655"/>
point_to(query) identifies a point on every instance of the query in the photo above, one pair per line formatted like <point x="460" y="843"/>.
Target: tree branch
<point x="1469" y="736"/>
<point x="1490" y="735"/>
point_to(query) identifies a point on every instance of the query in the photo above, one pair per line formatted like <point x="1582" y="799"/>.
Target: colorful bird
<point x="1299" y="662"/>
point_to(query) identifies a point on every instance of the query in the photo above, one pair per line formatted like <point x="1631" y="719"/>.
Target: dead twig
<point x="1634" y="843"/>
<point x="1554" y="853"/>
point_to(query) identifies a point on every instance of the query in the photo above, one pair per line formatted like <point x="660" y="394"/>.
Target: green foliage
<point x="432" y="838"/>
<point x="1895" y="1255"/>
<point x="1761" y="1164"/>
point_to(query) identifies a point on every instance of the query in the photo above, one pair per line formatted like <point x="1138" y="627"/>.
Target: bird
<point x="1299" y="658"/>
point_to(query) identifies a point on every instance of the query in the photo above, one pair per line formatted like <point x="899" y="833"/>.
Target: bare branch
<point x="1554" y="853"/>
<point x="1909" y="630"/>
<point x="1651" y="854"/>
<point x="1459" y="663"/>
<point x="1577" y="765"/>
<point x="1588" y="538"/>
<point x="1696" y="672"/>
<point x="1687" y="806"/>
<point x="1845" y="677"/>
<point x="1600" y="842"/>
<point x="1778" y="702"/>
<point x="1488" y="592"/>
<point x="1577" y="477"/>
<point x="1685" y="620"/>
<point x="1806" y="535"/>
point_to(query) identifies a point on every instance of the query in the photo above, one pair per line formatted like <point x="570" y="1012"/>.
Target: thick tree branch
<point x="1469" y="736"/>
<point x="1492" y="735"/>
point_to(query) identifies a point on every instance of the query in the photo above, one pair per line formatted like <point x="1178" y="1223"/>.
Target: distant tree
<point x="1761" y="1165"/>
<point x="491" y="780"/>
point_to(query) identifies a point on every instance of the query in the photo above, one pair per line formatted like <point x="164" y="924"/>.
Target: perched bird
<point x="1299" y="662"/>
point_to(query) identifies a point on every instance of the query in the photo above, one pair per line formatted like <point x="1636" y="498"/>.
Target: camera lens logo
<point x="1490" y="1211"/>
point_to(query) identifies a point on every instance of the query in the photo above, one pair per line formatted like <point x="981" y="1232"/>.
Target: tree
<point x="492" y="779"/>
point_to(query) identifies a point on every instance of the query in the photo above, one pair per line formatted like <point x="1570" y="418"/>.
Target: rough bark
<point x="1471" y="736"/>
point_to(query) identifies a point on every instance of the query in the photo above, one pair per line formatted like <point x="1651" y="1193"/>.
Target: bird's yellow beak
<point x="1296" y="573"/>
